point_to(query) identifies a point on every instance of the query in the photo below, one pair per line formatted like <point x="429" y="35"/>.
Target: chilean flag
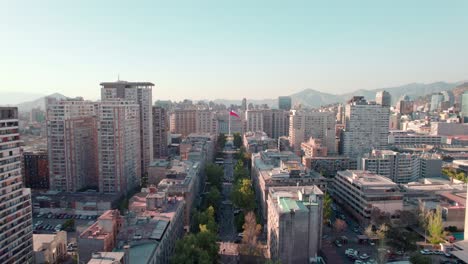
<point x="232" y="113"/>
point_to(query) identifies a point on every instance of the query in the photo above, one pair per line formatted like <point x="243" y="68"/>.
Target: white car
<point x="364" y="256"/>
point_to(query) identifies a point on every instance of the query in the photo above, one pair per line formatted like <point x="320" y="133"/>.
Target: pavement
<point x="227" y="248"/>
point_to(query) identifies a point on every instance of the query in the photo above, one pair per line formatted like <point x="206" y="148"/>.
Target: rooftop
<point x="366" y="178"/>
<point x="40" y="239"/>
<point x="294" y="198"/>
<point x="125" y="84"/>
<point x="106" y="257"/>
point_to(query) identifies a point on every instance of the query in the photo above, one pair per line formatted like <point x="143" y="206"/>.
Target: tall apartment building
<point x="295" y="223"/>
<point x="206" y="122"/>
<point x="464" y="107"/>
<point x="285" y="103"/>
<point x="436" y="101"/>
<point x="183" y="121"/>
<point x="160" y="132"/>
<point x="119" y="152"/>
<point x="72" y="144"/>
<point x="405" y="106"/>
<point x="36" y="169"/>
<point x="276" y="123"/>
<point x="254" y="120"/>
<point x="306" y="124"/>
<point x="15" y="203"/>
<point x="366" y="127"/>
<point x="383" y="98"/>
<point x="141" y="94"/>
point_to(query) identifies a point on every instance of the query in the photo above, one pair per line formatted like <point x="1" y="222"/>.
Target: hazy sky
<point x="230" y="49"/>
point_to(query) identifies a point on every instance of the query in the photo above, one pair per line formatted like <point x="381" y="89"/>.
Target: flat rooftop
<point x="125" y="84"/>
<point x="39" y="239"/>
<point x="107" y="258"/>
<point x="366" y="178"/>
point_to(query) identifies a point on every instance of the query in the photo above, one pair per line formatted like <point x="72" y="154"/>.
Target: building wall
<point x="183" y="122"/>
<point x="36" y="170"/>
<point x="119" y="146"/>
<point x="54" y="252"/>
<point x="254" y="120"/>
<point x="15" y="201"/>
<point x="160" y="132"/>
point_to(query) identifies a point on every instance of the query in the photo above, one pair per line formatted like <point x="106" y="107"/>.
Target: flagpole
<point x="229" y="123"/>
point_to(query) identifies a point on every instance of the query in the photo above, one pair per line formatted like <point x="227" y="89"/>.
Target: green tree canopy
<point x="243" y="195"/>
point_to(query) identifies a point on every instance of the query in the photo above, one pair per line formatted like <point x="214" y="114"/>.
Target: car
<point x="364" y="256"/>
<point x="356" y="230"/>
<point x="426" y="252"/>
<point x="338" y="244"/>
<point x="324" y="236"/>
<point x="371" y="243"/>
<point x="448" y="255"/>
<point x="238" y="240"/>
<point x="358" y="262"/>
<point x="399" y="252"/>
<point x="240" y="235"/>
<point x="39" y="222"/>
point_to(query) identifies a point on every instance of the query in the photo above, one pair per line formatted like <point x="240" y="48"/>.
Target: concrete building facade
<point x="50" y="248"/>
<point x="16" y="238"/>
<point x="139" y="93"/>
<point x="254" y="120"/>
<point x="36" y="169"/>
<point x="160" y="132"/>
<point x="183" y="121"/>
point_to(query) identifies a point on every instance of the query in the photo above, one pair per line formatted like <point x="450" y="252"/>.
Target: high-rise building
<point x="295" y="223"/>
<point x="405" y="106"/>
<point x="244" y="105"/>
<point x="183" y="121"/>
<point x="318" y="125"/>
<point x="276" y="123"/>
<point x="366" y="127"/>
<point x="36" y="169"/>
<point x="254" y="120"/>
<point x="398" y="167"/>
<point x="160" y="132"/>
<point x="119" y="146"/>
<point x="436" y="100"/>
<point x="464" y="107"/>
<point x="72" y="144"/>
<point x="285" y="103"/>
<point x="206" y="122"/>
<point x="16" y="220"/>
<point x="383" y="98"/>
<point x="140" y="93"/>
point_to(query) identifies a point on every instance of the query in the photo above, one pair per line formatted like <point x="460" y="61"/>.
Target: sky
<point x="230" y="49"/>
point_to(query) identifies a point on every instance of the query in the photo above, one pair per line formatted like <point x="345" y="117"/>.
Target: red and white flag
<point x="232" y="113"/>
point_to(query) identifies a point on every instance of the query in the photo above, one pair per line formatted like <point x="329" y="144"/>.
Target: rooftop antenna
<point x="118" y="77"/>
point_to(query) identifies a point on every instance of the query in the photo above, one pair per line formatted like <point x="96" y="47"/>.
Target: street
<point x="228" y="233"/>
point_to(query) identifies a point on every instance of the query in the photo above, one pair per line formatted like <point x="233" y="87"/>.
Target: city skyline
<point x="253" y="50"/>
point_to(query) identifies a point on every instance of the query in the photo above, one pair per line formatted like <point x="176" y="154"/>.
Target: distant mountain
<point x="38" y="103"/>
<point x="459" y="90"/>
<point x="13" y="98"/>
<point x="314" y="98"/>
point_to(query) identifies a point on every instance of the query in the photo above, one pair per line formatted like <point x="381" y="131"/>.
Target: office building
<point x="183" y="121"/>
<point x="318" y="125"/>
<point x="405" y="106"/>
<point x="139" y="93"/>
<point x="36" y="170"/>
<point x="366" y="127"/>
<point x="119" y="146"/>
<point x="294" y="223"/>
<point x="244" y="104"/>
<point x="436" y="101"/>
<point x="401" y="137"/>
<point x="15" y="201"/>
<point x="276" y="123"/>
<point x="449" y="129"/>
<point x="314" y="148"/>
<point x="254" y="120"/>
<point x="206" y="122"/>
<point x="72" y="144"/>
<point x="464" y="107"/>
<point x="383" y="98"/>
<point x="361" y="191"/>
<point x="50" y="248"/>
<point x="160" y="132"/>
<point x="285" y="103"/>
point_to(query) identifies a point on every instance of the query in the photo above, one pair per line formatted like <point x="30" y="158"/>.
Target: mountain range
<point x="307" y="97"/>
<point x="314" y="98"/>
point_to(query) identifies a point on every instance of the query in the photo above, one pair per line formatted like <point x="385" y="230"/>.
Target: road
<point x="228" y="233"/>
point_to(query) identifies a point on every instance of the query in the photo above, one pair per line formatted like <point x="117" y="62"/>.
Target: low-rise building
<point x="151" y="229"/>
<point x="51" y="249"/>
<point x="100" y="236"/>
<point x="108" y="258"/>
<point x="314" y="148"/>
<point x="258" y="141"/>
<point x="399" y="137"/>
<point x="274" y="168"/>
<point x="361" y="191"/>
<point x="294" y="223"/>
<point x="329" y="166"/>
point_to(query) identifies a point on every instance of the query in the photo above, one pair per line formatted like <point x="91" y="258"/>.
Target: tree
<point x="214" y="174"/>
<point x="221" y="141"/>
<point x="339" y="226"/>
<point x="407" y="218"/>
<point x="237" y="140"/>
<point x="327" y="209"/>
<point x="378" y="217"/>
<point x="402" y="239"/>
<point x="243" y="195"/>
<point x="435" y="227"/>
<point x="213" y="198"/>
<point x="250" y="244"/>
<point x="420" y="259"/>
<point x="69" y="225"/>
